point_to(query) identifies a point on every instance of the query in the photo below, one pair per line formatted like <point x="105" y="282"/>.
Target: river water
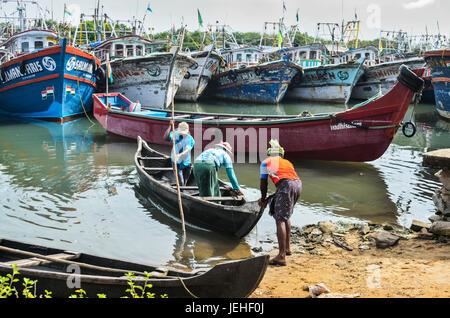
<point x="74" y="187"/>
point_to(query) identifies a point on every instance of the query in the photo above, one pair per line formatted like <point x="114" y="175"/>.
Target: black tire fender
<point x="410" y="79"/>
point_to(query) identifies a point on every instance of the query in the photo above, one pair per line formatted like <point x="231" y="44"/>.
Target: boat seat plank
<point x="256" y="119"/>
<point x="205" y="118"/>
<point x="230" y="119"/>
<point x="152" y="158"/>
<point x="35" y="261"/>
<point x="223" y="199"/>
<point x="194" y="188"/>
<point x="182" y="116"/>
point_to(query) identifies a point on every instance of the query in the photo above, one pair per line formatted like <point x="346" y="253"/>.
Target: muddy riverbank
<point x="361" y="260"/>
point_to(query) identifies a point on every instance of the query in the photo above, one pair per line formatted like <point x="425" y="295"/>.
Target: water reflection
<point x="202" y="247"/>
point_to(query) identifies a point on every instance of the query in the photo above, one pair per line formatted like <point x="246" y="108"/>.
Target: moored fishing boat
<point x="328" y="83"/>
<point x="41" y="78"/>
<point x="143" y="70"/>
<point x="428" y="91"/>
<point x="53" y="269"/>
<point x="382" y="77"/>
<point x="227" y="214"/>
<point x="265" y="83"/>
<point x="439" y="62"/>
<point x="199" y="75"/>
<point x="362" y="133"/>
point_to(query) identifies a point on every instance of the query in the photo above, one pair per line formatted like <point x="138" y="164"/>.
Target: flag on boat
<point x="47" y="10"/>
<point x="284" y="7"/>
<point x="109" y="71"/>
<point x="200" y="19"/>
<point x="298" y="19"/>
<point x="70" y="90"/>
<point x="49" y="91"/>
<point x="66" y="10"/>
<point x="148" y="8"/>
<point x="280" y="39"/>
<point x="381" y="46"/>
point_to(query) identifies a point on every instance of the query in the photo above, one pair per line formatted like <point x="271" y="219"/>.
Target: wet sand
<point x="413" y="268"/>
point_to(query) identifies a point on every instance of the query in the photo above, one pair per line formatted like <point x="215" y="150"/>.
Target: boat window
<point x="119" y="50"/>
<point x="313" y="55"/>
<point x="130" y="50"/>
<point x="50" y="44"/>
<point x="25" y="47"/>
<point x="358" y="56"/>
<point x="248" y="58"/>
<point x="38" y="45"/>
<point x="303" y="54"/>
<point x="367" y="55"/>
<point x="139" y="50"/>
<point x="148" y="50"/>
<point x="239" y="57"/>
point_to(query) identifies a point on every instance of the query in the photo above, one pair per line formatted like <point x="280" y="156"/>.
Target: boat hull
<point x="152" y="80"/>
<point x="382" y="77"/>
<point x="235" y="279"/>
<point x="439" y="61"/>
<point x="54" y="84"/>
<point x="198" y="76"/>
<point x="265" y="83"/>
<point x="236" y="221"/>
<point x="327" y="83"/>
<point x="333" y="137"/>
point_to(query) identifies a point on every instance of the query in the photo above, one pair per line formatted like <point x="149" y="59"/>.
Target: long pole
<point x="175" y="165"/>
<point x="107" y="77"/>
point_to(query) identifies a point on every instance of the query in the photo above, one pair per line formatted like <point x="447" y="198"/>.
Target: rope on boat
<point x="187" y="289"/>
<point x="81" y="99"/>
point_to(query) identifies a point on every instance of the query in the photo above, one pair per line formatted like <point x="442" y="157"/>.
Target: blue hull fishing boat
<point x="44" y="80"/>
<point x="265" y="83"/>
<point x="328" y="83"/>
<point x="439" y="62"/>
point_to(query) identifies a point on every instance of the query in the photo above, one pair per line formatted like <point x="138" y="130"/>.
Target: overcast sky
<point x="412" y="16"/>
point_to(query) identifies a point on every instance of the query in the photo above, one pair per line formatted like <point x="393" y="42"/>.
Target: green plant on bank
<point x="8" y="289"/>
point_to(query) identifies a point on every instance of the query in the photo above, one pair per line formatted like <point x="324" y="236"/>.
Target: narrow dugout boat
<point x="54" y="268"/>
<point x="362" y="133"/>
<point x="227" y="214"/>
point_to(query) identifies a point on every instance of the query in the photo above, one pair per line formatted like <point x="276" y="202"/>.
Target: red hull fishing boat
<point x="360" y="134"/>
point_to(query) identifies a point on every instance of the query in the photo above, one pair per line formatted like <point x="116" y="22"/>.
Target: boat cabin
<point x="126" y="47"/>
<point x="307" y="56"/>
<point x="369" y="52"/>
<point x="243" y="56"/>
<point x="29" y="41"/>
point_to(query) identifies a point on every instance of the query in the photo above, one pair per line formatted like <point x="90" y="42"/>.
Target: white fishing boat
<point x="382" y="77"/>
<point x="143" y="70"/>
<point x="199" y="75"/>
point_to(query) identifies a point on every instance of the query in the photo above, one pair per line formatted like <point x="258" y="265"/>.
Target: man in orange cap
<point x="206" y="167"/>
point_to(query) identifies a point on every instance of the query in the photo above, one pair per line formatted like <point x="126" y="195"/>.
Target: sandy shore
<point x="350" y="264"/>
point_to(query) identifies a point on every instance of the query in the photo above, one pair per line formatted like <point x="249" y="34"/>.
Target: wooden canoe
<point x="53" y="269"/>
<point x="362" y="133"/>
<point x="229" y="215"/>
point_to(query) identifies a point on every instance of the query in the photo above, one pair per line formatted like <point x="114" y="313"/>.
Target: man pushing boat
<point x="289" y="188"/>
<point x="206" y="169"/>
<point x="184" y="143"/>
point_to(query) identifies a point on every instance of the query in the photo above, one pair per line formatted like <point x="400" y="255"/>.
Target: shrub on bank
<point x="9" y="289"/>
